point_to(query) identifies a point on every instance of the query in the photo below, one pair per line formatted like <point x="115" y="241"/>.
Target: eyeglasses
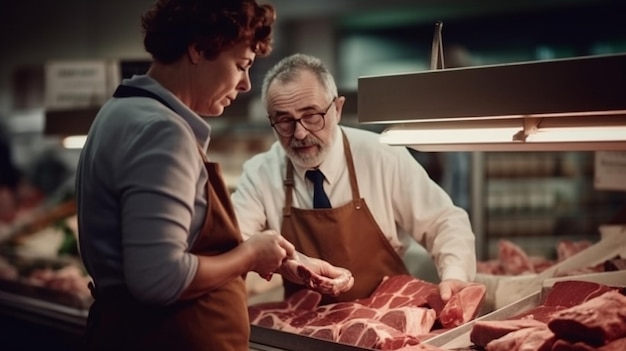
<point x="313" y="122"/>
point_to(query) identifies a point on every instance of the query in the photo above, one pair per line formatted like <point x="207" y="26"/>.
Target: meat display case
<point x="266" y="339"/>
<point x="536" y="199"/>
<point x="68" y="316"/>
<point x="459" y="338"/>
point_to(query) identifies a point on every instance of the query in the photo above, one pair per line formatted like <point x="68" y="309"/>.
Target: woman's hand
<point x="270" y="249"/>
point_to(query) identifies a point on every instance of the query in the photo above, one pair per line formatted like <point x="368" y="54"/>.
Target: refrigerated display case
<point x="536" y="199"/>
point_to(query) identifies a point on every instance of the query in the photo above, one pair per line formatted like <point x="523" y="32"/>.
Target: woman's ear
<point x="195" y="55"/>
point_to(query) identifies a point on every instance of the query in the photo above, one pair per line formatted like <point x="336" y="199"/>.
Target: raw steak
<point x="571" y="293"/>
<point x="413" y="321"/>
<point x="463" y="306"/>
<point x="485" y="331"/>
<point x="407" y="291"/>
<point x="278" y="314"/>
<point x="302" y="266"/>
<point x="527" y="339"/>
<point x="562" y="345"/>
<point x="540" y="313"/>
<point x="400" y="291"/>
<point x="370" y="333"/>
<point x="615" y="345"/>
<point x="513" y="259"/>
<point x="595" y="322"/>
<point x="398" y="313"/>
<point x="330" y="318"/>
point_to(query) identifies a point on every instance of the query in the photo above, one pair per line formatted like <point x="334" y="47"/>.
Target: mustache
<point x="309" y="140"/>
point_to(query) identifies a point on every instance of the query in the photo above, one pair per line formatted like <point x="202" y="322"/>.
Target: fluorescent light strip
<point x="448" y="136"/>
<point x="579" y="134"/>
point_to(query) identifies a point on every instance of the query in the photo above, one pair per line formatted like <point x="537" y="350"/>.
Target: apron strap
<point x="356" y="196"/>
<point x="289" y="183"/>
<point x="130" y="91"/>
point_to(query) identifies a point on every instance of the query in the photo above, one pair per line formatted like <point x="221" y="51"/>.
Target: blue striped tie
<point x="320" y="200"/>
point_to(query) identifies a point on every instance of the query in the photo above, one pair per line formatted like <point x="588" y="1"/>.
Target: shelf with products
<point x="540" y="198"/>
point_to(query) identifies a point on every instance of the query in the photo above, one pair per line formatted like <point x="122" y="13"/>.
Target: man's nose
<point x="299" y="132"/>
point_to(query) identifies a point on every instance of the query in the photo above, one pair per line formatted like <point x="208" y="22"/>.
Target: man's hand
<point x="449" y="287"/>
<point x="317" y="274"/>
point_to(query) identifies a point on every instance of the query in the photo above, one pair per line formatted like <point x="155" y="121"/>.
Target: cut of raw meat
<point x="595" y="322"/>
<point x="594" y="319"/>
<point x="615" y="345"/>
<point x="513" y="259"/>
<point x="540" y="313"/>
<point x="302" y="265"/>
<point x="400" y="312"/>
<point x="463" y="306"/>
<point x="373" y="334"/>
<point x="485" y="331"/>
<point x="413" y="321"/>
<point x="400" y="291"/>
<point x="527" y="339"/>
<point x="562" y="345"/>
<point x="278" y="315"/>
<point x="571" y="293"/>
<point x="331" y="317"/>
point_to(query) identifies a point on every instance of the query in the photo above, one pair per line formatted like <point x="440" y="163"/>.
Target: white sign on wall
<point x="610" y="170"/>
<point x="76" y="84"/>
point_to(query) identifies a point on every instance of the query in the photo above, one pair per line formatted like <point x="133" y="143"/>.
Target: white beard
<point x="311" y="161"/>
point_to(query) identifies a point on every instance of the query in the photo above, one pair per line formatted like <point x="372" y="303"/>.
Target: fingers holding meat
<point x="317" y="274"/>
<point x="269" y="250"/>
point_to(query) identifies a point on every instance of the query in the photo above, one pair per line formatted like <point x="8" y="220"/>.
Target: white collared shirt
<point x="399" y="193"/>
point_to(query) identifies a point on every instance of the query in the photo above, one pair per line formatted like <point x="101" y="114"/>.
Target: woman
<point x="157" y="230"/>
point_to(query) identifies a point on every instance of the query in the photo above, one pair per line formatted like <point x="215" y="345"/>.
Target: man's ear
<point x="339" y="106"/>
<point x="195" y="55"/>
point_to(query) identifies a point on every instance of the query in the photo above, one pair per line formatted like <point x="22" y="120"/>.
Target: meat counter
<point x="66" y="315"/>
<point x="555" y="294"/>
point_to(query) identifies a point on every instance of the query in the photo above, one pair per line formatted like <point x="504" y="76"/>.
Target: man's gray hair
<point x="287" y="69"/>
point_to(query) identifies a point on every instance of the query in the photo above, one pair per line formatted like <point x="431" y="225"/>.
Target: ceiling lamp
<point x="557" y="105"/>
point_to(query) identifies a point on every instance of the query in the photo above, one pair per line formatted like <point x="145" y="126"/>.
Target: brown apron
<point x="346" y="236"/>
<point x="215" y="321"/>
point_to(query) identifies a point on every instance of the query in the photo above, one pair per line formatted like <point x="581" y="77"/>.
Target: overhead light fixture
<point x="562" y="104"/>
<point x="513" y="134"/>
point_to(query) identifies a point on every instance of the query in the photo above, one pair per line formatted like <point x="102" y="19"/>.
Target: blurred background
<point x="538" y="194"/>
<point x="532" y="199"/>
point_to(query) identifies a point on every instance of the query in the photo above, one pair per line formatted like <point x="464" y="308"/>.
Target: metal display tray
<point x="459" y="337"/>
<point x="267" y="339"/>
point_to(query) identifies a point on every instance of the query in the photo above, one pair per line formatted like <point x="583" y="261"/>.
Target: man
<point x="376" y="193"/>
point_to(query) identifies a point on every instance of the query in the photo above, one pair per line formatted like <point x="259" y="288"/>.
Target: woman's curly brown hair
<point x="170" y="26"/>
